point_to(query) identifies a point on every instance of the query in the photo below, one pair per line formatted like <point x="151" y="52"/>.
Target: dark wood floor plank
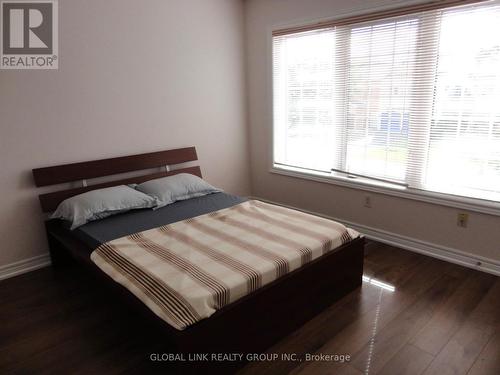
<point x="64" y="323"/>
<point x="400" y="330"/>
<point x="357" y="335"/>
<point x="447" y="320"/>
<point x="488" y="361"/>
<point x="460" y="353"/>
<point x="488" y="310"/>
<point x="389" y="263"/>
<point x="467" y="344"/>
<point x="410" y="360"/>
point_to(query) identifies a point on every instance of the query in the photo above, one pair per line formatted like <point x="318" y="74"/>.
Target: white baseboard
<point x="23" y="266"/>
<point x="408" y="243"/>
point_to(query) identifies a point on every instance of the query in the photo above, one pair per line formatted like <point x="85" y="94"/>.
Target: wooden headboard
<point x="106" y="167"/>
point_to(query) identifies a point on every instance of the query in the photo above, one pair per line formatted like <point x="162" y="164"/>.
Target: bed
<point x="249" y="324"/>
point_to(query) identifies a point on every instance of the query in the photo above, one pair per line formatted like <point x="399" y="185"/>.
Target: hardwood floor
<point x="413" y="315"/>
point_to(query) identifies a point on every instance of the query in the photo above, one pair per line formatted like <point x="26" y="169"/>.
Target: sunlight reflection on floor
<point x="380" y="284"/>
<point x="383" y="287"/>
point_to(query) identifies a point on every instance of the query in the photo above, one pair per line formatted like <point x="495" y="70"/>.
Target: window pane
<point x="303" y="95"/>
<point x="464" y="153"/>
<point x="379" y="84"/>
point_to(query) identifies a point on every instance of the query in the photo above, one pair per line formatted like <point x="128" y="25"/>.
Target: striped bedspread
<point x="187" y="270"/>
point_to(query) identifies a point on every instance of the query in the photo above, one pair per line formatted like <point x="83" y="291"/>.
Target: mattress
<point x="95" y="233"/>
<point x="187" y="270"/>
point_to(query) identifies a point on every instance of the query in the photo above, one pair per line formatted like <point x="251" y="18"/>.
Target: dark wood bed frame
<point x="249" y="325"/>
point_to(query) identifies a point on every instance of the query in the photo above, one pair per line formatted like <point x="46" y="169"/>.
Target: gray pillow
<point x="101" y="203"/>
<point x="167" y="190"/>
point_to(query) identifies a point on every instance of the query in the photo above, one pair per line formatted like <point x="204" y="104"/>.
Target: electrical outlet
<point x="368" y="201"/>
<point x="462" y="219"/>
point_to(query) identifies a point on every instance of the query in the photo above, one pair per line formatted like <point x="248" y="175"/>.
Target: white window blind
<point x="413" y="99"/>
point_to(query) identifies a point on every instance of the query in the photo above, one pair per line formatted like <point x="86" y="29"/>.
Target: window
<point x="412" y="99"/>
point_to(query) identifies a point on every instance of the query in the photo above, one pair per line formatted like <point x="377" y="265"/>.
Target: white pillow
<point x="101" y="203"/>
<point x="182" y="186"/>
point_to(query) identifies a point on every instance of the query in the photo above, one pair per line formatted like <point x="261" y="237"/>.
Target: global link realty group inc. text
<point x="249" y="357"/>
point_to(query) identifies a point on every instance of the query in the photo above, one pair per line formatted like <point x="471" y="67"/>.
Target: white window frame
<point x="444" y="199"/>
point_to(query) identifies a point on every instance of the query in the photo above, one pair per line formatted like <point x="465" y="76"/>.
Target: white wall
<point x="134" y="76"/>
<point x="417" y="220"/>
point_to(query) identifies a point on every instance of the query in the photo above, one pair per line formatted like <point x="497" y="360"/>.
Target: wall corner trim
<point x="24" y="266"/>
<point x="412" y="244"/>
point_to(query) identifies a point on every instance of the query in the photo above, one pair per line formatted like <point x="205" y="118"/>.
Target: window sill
<point x="448" y="200"/>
